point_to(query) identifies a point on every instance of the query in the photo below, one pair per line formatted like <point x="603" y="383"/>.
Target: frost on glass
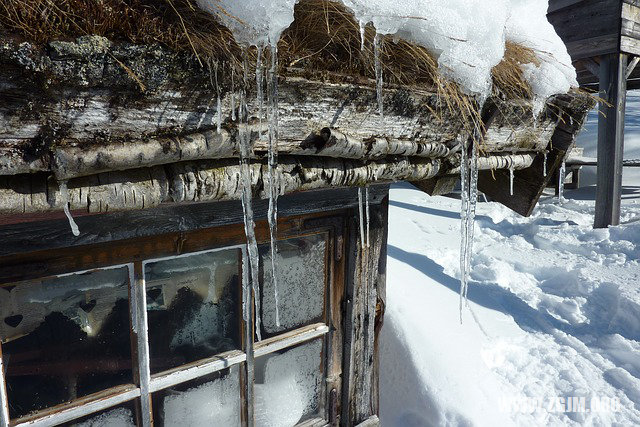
<point x="301" y="280"/>
<point x="119" y="417"/>
<point x="288" y="386"/>
<point x="64" y="337"/>
<point x="213" y="403"/>
<point x="192" y="306"/>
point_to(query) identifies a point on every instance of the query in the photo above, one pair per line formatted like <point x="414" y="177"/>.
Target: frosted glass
<point x="300" y="272"/>
<point x="288" y="385"/>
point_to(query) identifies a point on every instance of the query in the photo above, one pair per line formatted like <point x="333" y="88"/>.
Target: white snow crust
<point x="467" y="36"/>
<point x="554" y="307"/>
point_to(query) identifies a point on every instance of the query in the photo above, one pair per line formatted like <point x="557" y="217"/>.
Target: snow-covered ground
<point x="553" y="316"/>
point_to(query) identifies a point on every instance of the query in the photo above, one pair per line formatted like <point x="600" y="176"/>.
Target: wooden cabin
<point x="603" y="40"/>
<point x="139" y="318"/>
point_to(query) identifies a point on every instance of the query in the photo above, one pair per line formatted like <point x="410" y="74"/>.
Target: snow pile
<point x="467" y="36"/>
<point x="212" y="403"/>
<point x="527" y="25"/>
<point x="554" y="312"/>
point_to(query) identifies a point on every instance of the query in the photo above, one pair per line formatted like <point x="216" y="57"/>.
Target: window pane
<point x="65" y="337"/>
<point x="301" y="272"/>
<point x="193" y="307"/>
<point x="213" y="400"/>
<point x="119" y="416"/>
<point x="288" y="385"/>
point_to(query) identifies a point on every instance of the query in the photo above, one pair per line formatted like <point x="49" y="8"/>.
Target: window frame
<point x="143" y="250"/>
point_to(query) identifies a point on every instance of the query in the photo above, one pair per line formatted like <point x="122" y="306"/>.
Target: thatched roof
<point x="128" y="111"/>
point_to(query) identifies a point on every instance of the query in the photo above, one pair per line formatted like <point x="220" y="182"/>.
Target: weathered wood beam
<point x="197" y="182"/>
<point x="610" y="140"/>
<point x="333" y="143"/>
<point x="632" y="66"/>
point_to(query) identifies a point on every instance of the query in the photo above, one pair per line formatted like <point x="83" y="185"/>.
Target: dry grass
<point x="324" y="36"/>
<point x="178" y="24"/>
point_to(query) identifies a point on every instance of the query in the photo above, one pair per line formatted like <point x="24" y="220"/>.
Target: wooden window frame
<point x="134" y="253"/>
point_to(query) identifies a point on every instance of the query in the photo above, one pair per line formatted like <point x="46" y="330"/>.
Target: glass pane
<point x="65" y="337"/>
<point x="119" y="416"/>
<point x="213" y="400"/>
<point x="193" y="307"/>
<point x="288" y="385"/>
<point x="301" y="272"/>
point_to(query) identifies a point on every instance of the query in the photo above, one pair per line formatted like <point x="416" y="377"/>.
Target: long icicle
<point x="468" y="197"/>
<point x="64" y="194"/>
<point x="366" y="204"/>
<point x="561" y="177"/>
<point x="274" y="188"/>
<point x="244" y="135"/>
<point x="544" y="163"/>
<point x="361" y="217"/>
<point x="378" y="69"/>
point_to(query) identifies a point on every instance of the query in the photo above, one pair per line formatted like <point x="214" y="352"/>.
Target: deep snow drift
<point x="554" y="308"/>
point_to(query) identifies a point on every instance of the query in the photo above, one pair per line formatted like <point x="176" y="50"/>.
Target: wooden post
<point x="613" y="88"/>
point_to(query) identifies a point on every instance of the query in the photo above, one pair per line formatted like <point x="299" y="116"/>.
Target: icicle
<point x="259" y="93"/>
<point x="366" y="204"/>
<point x="561" y="177"/>
<point x="274" y="190"/>
<point x="361" y="218"/>
<point x="219" y="116"/>
<point x="544" y="163"/>
<point x="469" y="199"/>
<point x="64" y="195"/>
<point x="233" y="95"/>
<point x="511" y="178"/>
<point x="378" y="67"/>
<point x="362" y="34"/>
<point x="244" y="135"/>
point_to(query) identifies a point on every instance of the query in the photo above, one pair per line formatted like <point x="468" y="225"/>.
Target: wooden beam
<point x="610" y="139"/>
<point x="632" y="66"/>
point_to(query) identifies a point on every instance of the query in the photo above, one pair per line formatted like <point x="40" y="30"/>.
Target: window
<point x="152" y="331"/>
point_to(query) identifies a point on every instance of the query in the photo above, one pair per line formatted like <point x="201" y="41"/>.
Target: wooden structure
<point x="603" y="39"/>
<point x="154" y="187"/>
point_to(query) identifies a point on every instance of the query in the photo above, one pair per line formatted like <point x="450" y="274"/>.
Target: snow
<point x="287" y="385"/>
<point x="120" y="417"/>
<point x="466" y="36"/>
<point x="212" y="403"/>
<point x="554" y="308"/>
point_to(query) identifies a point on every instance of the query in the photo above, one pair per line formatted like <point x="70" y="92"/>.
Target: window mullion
<point x="4" y="405"/>
<point x="140" y="334"/>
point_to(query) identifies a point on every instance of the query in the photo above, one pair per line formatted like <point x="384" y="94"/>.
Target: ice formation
<point x="272" y="161"/>
<point x="288" y="385"/>
<point x="561" y="177"/>
<point x="544" y="163"/>
<point x="119" y="417"/>
<point x="216" y="403"/>
<point x="361" y="217"/>
<point x="466" y="36"/>
<point x="469" y="198"/>
<point x="64" y="195"/>
<point x="301" y="277"/>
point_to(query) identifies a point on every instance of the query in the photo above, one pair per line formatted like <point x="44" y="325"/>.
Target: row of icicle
<point x="468" y="177"/>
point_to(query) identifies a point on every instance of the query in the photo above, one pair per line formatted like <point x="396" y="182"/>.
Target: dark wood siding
<point x="588" y="27"/>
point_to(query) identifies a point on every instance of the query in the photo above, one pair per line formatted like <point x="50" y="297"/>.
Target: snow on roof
<point x="467" y="36"/>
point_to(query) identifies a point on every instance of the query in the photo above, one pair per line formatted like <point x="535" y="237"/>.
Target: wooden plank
<point x="556" y="5"/>
<point x="79" y="408"/>
<point x="588" y="28"/>
<point x="610" y="140"/>
<point x="195" y="370"/>
<point x="372" y="421"/>
<point x="47" y="235"/>
<point x="593" y="46"/>
<point x="530" y="183"/>
<point x="363" y="278"/>
<point x="289" y="339"/>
